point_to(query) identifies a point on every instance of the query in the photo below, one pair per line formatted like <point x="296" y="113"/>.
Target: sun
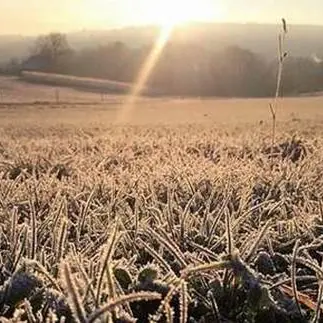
<point x="164" y="13"/>
<point x="170" y="13"/>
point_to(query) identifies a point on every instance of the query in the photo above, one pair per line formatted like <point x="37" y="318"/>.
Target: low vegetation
<point x="163" y="223"/>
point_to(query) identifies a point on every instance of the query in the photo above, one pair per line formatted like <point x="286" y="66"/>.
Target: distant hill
<point x="14" y="47"/>
<point x="260" y="38"/>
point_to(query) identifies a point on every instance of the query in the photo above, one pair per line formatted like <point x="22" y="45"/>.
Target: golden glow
<point x="147" y="12"/>
<point x="175" y="12"/>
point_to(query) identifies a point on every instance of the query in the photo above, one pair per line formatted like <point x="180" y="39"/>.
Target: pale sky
<point x="41" y="16"/>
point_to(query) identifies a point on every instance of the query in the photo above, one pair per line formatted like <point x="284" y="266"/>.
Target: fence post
<point x="57" y="95"/>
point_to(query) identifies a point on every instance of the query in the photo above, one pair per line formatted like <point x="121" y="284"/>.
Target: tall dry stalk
<point x="282" y="55"/>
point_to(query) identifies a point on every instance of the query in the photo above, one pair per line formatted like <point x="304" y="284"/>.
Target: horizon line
<point x="139" y="26"/>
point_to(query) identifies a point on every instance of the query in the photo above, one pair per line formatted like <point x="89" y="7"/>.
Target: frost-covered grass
<point x="181" y="222"/>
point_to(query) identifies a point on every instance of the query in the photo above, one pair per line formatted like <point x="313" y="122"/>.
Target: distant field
<point x="15" y="90"/>
<point x="37" y="104"/>
<point x="94" y="84"/>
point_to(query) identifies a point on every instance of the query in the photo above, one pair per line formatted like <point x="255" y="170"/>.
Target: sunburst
<point x="167" y="14"/>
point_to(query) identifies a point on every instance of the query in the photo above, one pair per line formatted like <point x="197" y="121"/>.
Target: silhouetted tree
<point x="302" y="75"/>
<point x="52" y="45"/>
<point x="53" y="49"/>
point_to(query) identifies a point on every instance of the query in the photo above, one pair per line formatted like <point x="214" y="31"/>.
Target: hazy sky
<point x="42" y="16"/>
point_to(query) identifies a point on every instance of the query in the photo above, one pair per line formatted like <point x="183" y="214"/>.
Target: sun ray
<point x="168" y="14"/>
<point x="145" y="72"/>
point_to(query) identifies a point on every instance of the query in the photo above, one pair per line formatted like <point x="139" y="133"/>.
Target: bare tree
<point x="51" y="46"/>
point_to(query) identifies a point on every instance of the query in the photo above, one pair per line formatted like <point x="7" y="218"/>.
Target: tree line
<point x="181" y="69"/>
